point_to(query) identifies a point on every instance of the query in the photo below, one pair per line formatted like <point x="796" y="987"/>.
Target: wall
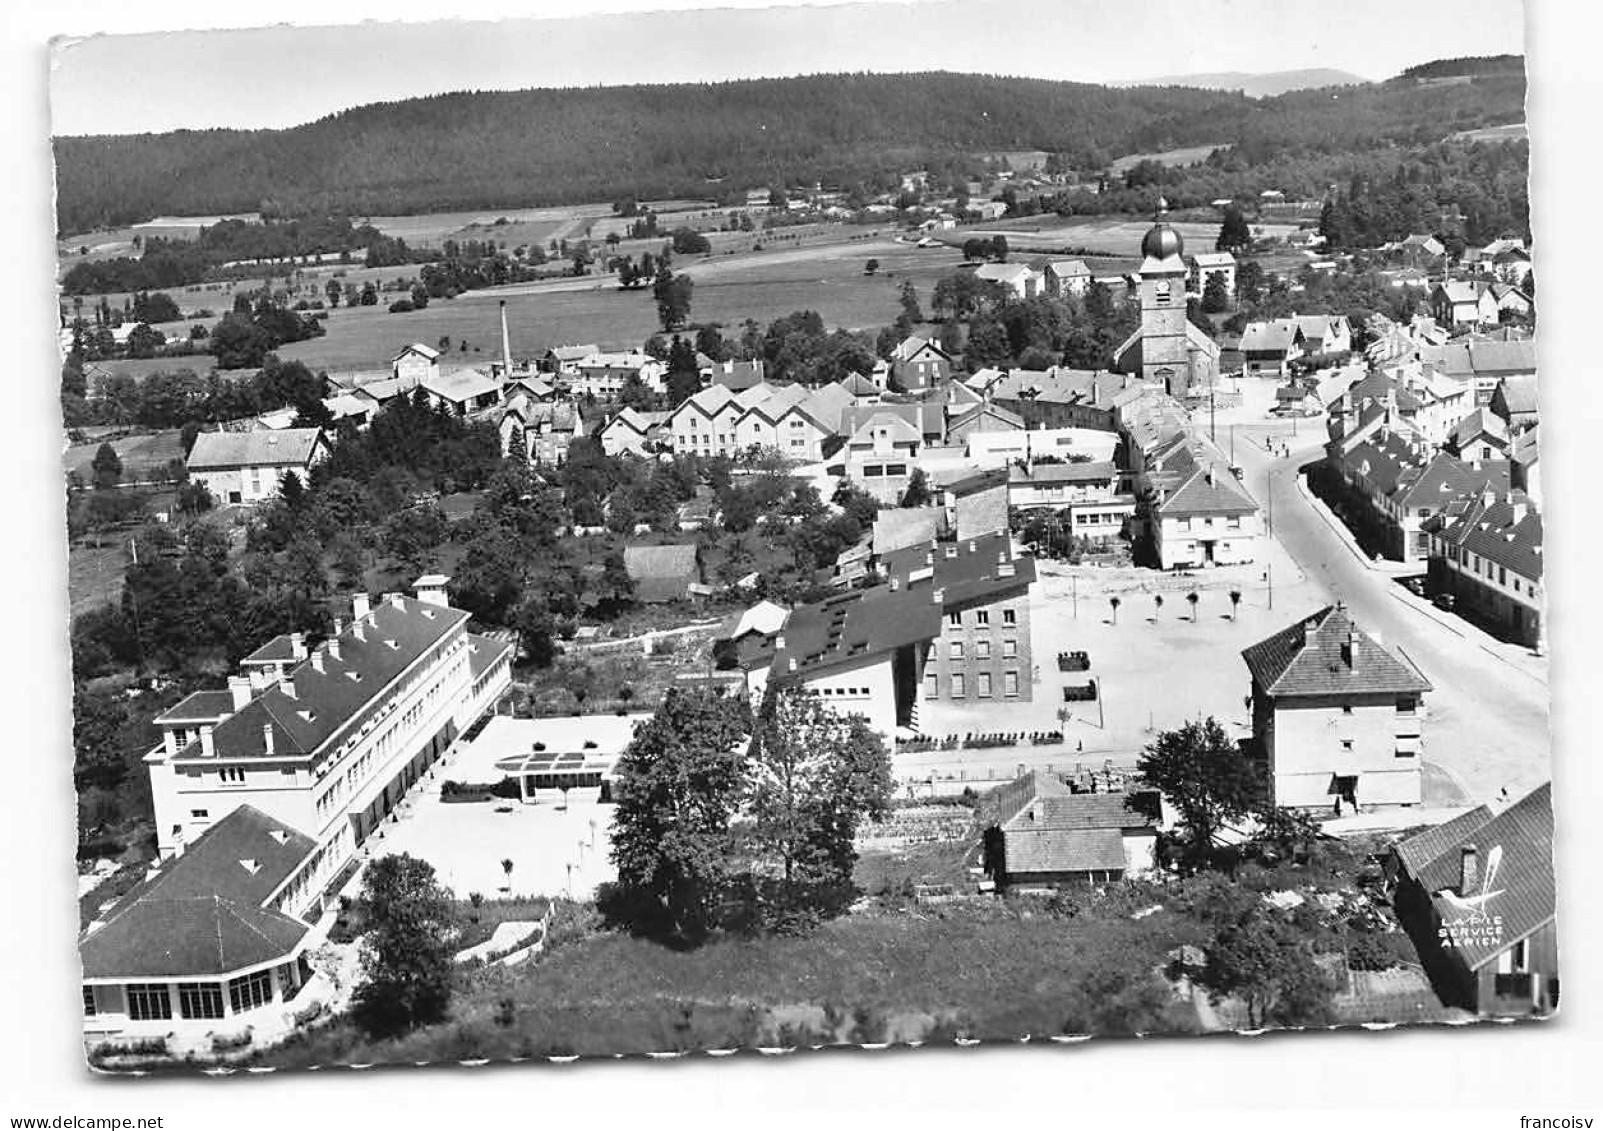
<point x="976" y="637"/>
<point x="1305" y="750"/>
<point x="1180" y="540"/>
<point x="868" y="689"/>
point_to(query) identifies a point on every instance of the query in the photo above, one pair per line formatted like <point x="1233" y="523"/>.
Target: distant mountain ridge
<point x="1265" y="85"/>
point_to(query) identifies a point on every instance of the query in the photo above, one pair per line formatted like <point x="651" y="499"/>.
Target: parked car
<point x="1445" y="602"/>
<point x="1415" y="585"/>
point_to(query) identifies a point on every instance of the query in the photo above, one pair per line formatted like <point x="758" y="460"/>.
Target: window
<point x="89" y="1007"/>
<point x="1502" y="576"/>
<point x="1407" y="704"/>
<point x="1346" y="708"/>
<point x="896" y="469"/>
<point x="955" y="619"/>
<point x="1010" y="683"/>
<point x="932" y="686"/>
<point x="232" y="775"/>
<point x="958" y="687"/>
<point x="1010" y="648"/>
<point x="1185" y="525"/>
<point x="200" y="814"/>
<point x="250" y="991"/>
<point x="982" y="617"/>
<point x="982" y="650"/>
<point x="199" y="1001"/>
<point x="1235" y="522"/>
<point x="1346" y="744"/>
<point x="873" y="471"/>
<point x="1009" y="616"/>
<point x="149" y="1002"/>
<point x="957" y="649"/>
<point x="982" y="685"/>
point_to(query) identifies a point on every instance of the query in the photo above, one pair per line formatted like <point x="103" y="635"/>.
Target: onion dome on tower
<point x="1162" y="249"/>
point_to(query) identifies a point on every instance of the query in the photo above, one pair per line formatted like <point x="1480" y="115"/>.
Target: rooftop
<point x="1311" y="658"/>
<point x="282" y="447"/>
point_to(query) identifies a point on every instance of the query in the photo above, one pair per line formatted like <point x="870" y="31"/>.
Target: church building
<point x="1167" y="350"/>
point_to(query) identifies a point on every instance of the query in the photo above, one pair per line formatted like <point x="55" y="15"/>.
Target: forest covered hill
<point x="1255" y="85"/>
<point x="539" y="147"/>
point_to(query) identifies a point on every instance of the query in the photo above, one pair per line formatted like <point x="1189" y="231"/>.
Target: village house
<point x="1481" y="361"/>
<point x="1402" y="482"/>
<point x="1417" y="250"/>
<point x="548" y="428"/>
<point x="1476" y="896"/>
<point x="1267" y="348"/>
<point x="1085" y="497"/>
<point x="1038" y="834"/>
<point x="1197" y="512"/>
<point x="264" y="794"/>
<point x="885" y="442"/>
<point x="245" y="468"/>
<point x="704" y="423"/>
<point x="1063" y="398"/>
<point x="1067" y="278"/>
<point x="1481" y="435"/>
<point x="1459" y="302"/>
<point x="1324" y="334"/>
<point x="632" y="431"/>
<point x="1336" y="716"/>
<point x="603" y="375"/>
<point x="1020" y="279"/>
<point x="794" y="420"/>
<point x="1514" y="401"/>
<point x="736" y="376"/>
<point x="563" y="361"/>
<point x="415" y="364"/>
<point x="981" y="417"/>
<point x="463" y="391"/>
<point x="1204" y="265"/>
<point x="917" y="364"/>
<point x="1486" y="550"/>
<point x="1524" y="453"/>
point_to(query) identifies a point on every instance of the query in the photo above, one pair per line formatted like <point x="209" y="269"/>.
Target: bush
<point x="1375" y="951"/>
<point x="402" y="306"/>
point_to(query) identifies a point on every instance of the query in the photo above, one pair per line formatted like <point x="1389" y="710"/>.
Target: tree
<point x="909" y="300"/>
<point x="918" y="490"/>
<point x="684" y="376"/>
<point x="1235" y="603"/>
<point x="535" y="627"/>
<point x="1265" y="962"/>
<point x="871" y="267"/>
<point x="672" y="294"/>
<point x="333" y="291"/>
<point x="1157" y="605"/>
<point x="679" y="783"/>
<point x="1193" y="598"/>
<point x="406" y="952"/>
<point x="107" y="467"/>
<point x="999" y="248"/>
<point x="1114" y="603"/>
<point x="1205" y="776"/>
<point x="1234" y="235"/>
<point x="815" y="775"/>
<point x="1215" y="295"/>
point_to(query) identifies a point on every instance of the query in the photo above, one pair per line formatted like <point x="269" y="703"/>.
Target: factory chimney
<point x="506" y="345"/>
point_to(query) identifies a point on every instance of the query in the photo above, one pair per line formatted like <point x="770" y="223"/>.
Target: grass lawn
<point x="140" y="454"/>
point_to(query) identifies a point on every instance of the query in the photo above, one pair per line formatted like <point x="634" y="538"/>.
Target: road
<point x="1487" y="719"/>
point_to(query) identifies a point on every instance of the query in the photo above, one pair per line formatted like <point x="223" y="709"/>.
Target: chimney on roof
<point x="938" y="596"/>
<point x="359" y="630"/>
<point x="972" y="546"/>
<point x="430" y="590"/>
<point x="1520" y="509"/>
<point x="339" y="627"/>
<point x="334" y="647"/>
<point x="1349" y="651"/>
<point x="288" y="688"/>
<point x="239" y="688"/>
<point x="793" y="663"/>
<point x="359" y="605"/>
<point x="267" y="738"/>
<point x="896" y="583"/>
<point x="208" y="748"/>
<point x="1488" y="495"/>
<point x="779" y="642"/>
<point x="1469" y="869"/>
<point x="317" y="661"/>
<point x="297" y="645"/>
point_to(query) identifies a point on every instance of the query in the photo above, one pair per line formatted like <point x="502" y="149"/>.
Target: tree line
<point x="489" y="149"/>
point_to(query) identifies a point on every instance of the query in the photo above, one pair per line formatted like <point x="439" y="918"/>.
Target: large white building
<point x="264" y="794"/>
<point x="245" y="468"/>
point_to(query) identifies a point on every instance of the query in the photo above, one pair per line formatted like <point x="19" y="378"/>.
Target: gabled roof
<point x="1311" y="658"/>
<point x="462" y="385"/>
<point x="856" y="627"/>
<point x="636" y="421"/>
<point x="396" y="633"/>
<point x="201" y="914"/>
<point x="1527" y="446"/>
<point x="914" y="344"/>
<point x="1012" y="274"/>
<point x="967" y="571"/>
<point x="1421" y="848"/>
<point x="1005" y="420"/>
<point x="1046" y="828"/>
<point x="1059" y="385"/>
<point x="922" y="421"/>
<point x="282" y="447"/>
<point x="1209" y="489"/>
<point x="706" y="401"/>
<point x="1518" y="394"/>
<point x="1506" y="530"/>
<point x="1520" y="892"/>
<point x="1095" y="472"/>
<point x="1214" y="259"/>
<point x="856" y="385"/>
<point x="572" y="353"/>
<point x="1458" y="291"/>
<point x="1480" y="422"/>
<point x="1278" y="336"/>
<point x="420" y="349"/>
<point x="1068" y="268"/>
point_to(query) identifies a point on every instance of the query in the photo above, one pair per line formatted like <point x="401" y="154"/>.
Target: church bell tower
<point x="1165" y="355"/>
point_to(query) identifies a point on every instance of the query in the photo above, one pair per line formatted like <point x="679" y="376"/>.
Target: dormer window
<point x="250" y="866"/>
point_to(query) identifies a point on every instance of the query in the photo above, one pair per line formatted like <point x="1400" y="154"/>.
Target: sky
<point x="283" y="76"/>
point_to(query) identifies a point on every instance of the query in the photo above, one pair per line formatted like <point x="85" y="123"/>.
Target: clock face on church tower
<point x="1161" y="291"/>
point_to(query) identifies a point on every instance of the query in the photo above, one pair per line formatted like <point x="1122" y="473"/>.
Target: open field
<point x="1189" y="155"/>
<point x="1513" y="131"/>
<point x="1102" y="235"/>
<point x="432" y="227"/>
<point x="140" y="454"/>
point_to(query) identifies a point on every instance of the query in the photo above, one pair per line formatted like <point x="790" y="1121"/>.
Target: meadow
<point x="1188" y="155"/>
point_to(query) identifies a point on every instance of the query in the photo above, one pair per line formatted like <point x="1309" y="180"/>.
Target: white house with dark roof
<point x="1065" y="277"/>
<point x="1486" y="549"/>
<point x="1206" y="264"/>
<point x="264" y="794"/>
<point x="631" y="430"/>
<point x="1336" y="716"/>
<point x="917" y="363"/>
<point x="245" y="468"/>
<point x="1199" y="513"/>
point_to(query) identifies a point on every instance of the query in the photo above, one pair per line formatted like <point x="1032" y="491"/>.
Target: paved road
<point x="1487" y="720"/>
